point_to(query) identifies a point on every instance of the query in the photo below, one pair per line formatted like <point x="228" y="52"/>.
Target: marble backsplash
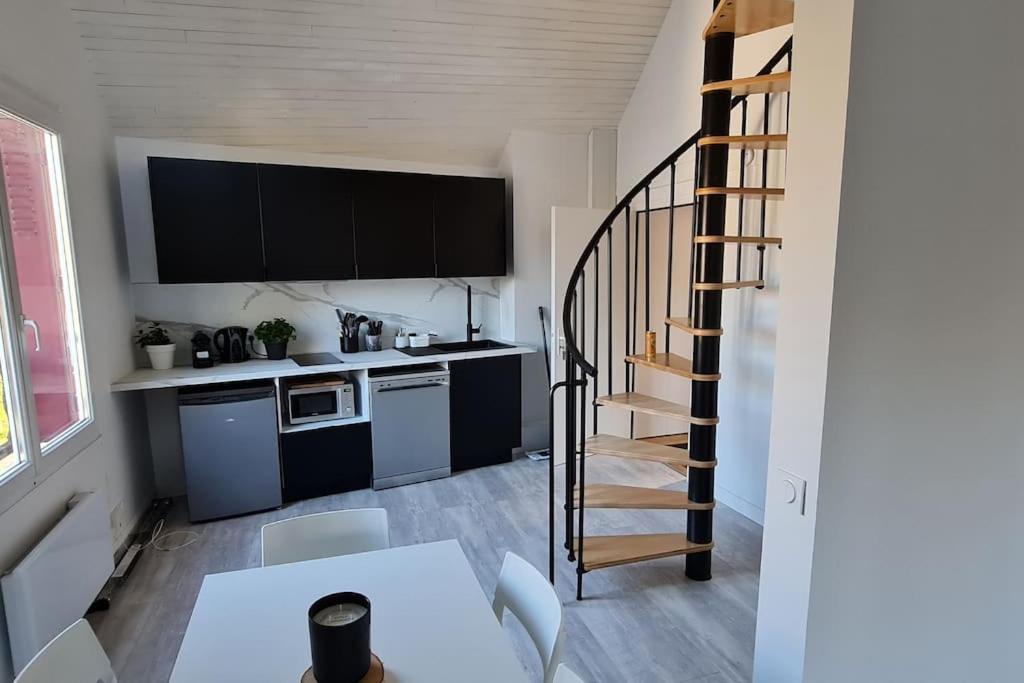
<point x="425" y="305"/>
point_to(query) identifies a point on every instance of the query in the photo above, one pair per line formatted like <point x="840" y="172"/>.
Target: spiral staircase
<point x="609" y="300"/>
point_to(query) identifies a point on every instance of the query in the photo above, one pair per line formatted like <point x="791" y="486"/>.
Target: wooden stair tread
<point x="614" y="496"/>
<point x="673" y="364"/>
<point x="608" y="551"/>
<point x="767" y="193"/>
<point x="621" y="447"/>
<point x="752" y="85"/>
<point x="641" y="403"/>
<point x="682" y="439"/>
<point x="736" y="239"/>
<point x="772" y="141"/>
<point x="679" y="469"/>
<point x="671" y="440"/>
<point x="686" y="325"/>
<point x="746" y="17"/>
<point x="719" y="286"/>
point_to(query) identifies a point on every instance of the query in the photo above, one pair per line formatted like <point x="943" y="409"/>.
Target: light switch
<point x="789" y="494"/>
<point x="793" y="489"/>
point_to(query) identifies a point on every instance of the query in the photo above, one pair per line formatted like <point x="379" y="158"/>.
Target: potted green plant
<point x="275" y="335"/>
<point x="158" y="346"/>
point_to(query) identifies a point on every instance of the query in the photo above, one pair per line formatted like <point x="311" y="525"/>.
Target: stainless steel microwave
<point x="324" y="398"/>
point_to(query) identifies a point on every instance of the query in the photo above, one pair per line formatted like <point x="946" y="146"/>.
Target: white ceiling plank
<point x="423" y="80"/>
<point x="422" y="8"/>
<point x="140" y="61"/>
<point x="186" y="64"/>
<point x="305" y="13"/>
<point x="355" y="59"/>
<point x="395" y="29"/>
<point x="417" y="47"/>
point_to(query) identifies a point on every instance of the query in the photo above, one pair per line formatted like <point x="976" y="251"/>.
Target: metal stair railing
<point x="583" y="365"/>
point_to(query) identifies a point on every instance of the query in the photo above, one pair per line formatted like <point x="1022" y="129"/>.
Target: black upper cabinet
<point x="307" y="222"/>
<point x="206" y="218"/>
<point x="469" y="226"/>
<point x="394" y="225"/>
<point x="218" y="221"/>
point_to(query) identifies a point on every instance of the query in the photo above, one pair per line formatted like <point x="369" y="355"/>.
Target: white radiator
<point x="57" y="581"/>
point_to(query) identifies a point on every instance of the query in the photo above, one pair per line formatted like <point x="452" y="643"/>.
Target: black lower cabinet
<point x="321" y="462"/>
<point x="486" y="410"/>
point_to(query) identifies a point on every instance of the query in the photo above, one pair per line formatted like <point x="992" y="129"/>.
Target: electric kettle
<point x="231" y="344"/>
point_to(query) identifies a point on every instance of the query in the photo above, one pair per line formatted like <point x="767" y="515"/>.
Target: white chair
<point x="74" y="656"/>
<point x="326" y="534"/>
<point x="527" y="594"/>
<point x="566" y="675"/>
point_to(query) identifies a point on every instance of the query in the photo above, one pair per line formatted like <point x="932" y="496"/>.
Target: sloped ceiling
<point x="422" y="80"/>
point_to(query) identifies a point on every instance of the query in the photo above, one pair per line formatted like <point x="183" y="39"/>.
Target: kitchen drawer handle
<point x="412" y="386"/>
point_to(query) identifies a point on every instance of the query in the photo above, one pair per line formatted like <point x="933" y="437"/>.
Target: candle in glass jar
<point x="339" y="615"/>
<point x="339" y="637"/>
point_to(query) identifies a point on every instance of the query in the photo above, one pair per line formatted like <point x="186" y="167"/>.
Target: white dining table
<point x="430" y="620"/>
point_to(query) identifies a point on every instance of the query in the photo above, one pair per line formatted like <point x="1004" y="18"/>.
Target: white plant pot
<point x="161" y="356"/>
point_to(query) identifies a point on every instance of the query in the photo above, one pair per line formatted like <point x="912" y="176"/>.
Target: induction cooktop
<point x="307" y="359"/>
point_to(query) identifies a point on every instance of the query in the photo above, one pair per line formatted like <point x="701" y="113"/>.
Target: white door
<point x="571" y="229"/>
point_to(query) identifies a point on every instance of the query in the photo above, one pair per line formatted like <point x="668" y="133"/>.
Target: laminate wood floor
<point x="641" y="622"/>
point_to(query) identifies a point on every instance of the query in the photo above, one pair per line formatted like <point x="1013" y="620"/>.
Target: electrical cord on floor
<point x="158" y="540"/>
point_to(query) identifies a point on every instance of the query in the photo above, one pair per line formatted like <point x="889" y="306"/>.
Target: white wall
<point x="918" y="547"/>
<point x="664" y="109"/>
<point x="662" y="113"/>
<point x="42" y="63"/>
<point x="810" y="224"/>
<point x="601" y="191"/>
<point x="547" y="170"/>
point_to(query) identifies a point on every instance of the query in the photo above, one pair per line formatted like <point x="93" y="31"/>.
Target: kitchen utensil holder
<point x="350" y="344"/>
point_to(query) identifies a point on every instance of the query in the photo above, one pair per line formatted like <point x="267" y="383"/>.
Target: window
<point x="45" y="395"/>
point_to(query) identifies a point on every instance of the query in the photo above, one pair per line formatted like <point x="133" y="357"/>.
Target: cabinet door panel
<point x="206" y="219"/>
<point x="469" y="225"/>
<point x="486" y="410"/>
<point x="322" y="462"/>
<point x="307" y="222"/>
<point x="394" y="225"/>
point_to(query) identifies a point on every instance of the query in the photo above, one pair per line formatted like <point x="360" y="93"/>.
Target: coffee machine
<point x="202" y="350"/>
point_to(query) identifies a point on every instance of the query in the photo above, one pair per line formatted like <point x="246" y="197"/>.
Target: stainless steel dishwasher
<point x="409" y="424"/>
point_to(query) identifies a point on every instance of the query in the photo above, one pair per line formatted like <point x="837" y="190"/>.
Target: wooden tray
<point x="374" y="675"/>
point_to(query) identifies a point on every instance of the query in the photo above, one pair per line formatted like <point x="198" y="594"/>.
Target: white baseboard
<point x="740" y="505"/>
<point x="535" y="435"/>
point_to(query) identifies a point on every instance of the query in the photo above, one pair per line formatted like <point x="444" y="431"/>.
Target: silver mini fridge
<point x="230" y="442"/>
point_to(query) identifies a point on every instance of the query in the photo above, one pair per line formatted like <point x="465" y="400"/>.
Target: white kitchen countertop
<point x="183" y="376"/>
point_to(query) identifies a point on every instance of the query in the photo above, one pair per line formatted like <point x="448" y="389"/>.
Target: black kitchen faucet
<point x="470" y="330"/>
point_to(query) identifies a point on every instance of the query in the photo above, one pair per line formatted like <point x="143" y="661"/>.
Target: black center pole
<point x="707" y="313"/>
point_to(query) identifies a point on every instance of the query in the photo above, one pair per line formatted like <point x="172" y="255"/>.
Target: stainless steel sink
<point x="475" y="345"/>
